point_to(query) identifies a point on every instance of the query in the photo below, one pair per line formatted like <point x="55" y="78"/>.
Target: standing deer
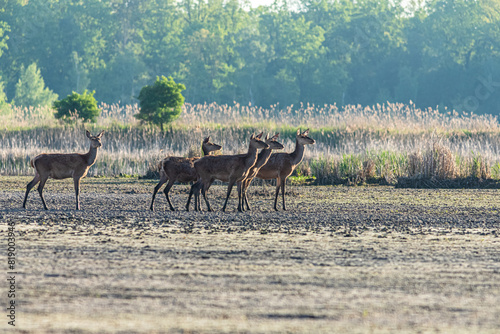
<point x="227" y="168"/>
<point x="180" y="169"/>
<point x="262" y="159"/>
<point x="63" y="166"/>
<point x="281" y="165"/>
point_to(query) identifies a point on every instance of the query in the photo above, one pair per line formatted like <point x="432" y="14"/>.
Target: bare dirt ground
<point x="340" y="260"/>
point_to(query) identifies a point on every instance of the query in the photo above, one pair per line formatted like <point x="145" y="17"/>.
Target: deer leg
<point x="278" y="184"/>
<point x="76" y="182"/>
<point x="166" y="190"/>
<point x="229" y="188"/>
<point x="191" y="192"/>
<point x="158" y="186"/>
<point x="197" y="197"/>
<point x="240" y="196"/>
<point x="199" y="191"/>
<point x="245" y="199"/>
<point x="40" y="190"/>
<point x="204" y="189"/>
<point x="283" y="184"/>
<point x="30" y="186"/>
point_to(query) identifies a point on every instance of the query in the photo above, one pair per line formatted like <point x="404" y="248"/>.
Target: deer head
<point x="209" y="146"/>
<point x="272" y="142"/>
<point x="303" y="139"/>
<point x="95" y="141"/>
<point x="256" y="142"/>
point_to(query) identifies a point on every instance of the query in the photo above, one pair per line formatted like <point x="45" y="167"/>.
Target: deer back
<point x="179" y="168"/>
<point x="61" y="166"/>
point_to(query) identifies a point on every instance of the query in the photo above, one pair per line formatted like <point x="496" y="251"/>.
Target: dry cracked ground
<point x="339" y="260"/>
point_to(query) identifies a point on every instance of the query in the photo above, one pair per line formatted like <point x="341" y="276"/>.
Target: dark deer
<point x="180" y="169"/>
<point x="63" y="166"/>
<point x="262" y="159"/>
<point x="281" y="165"/>
<point x="227" y="168"/>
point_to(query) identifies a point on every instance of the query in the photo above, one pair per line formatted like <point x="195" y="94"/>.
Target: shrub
<point x="75" y="106"/>
<point x="161" y="102"/>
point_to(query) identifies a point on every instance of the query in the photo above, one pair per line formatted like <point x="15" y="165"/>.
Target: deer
<point x="226" y="168"/>
<point x="281" y="165"/>
<point x="262" y="159"/>
<point x="62" y="166"/>
<point x="180" y="169"/>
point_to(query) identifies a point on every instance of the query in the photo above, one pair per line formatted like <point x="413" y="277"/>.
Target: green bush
<point x="74" y="106"/>
<point x="161" y="103"/>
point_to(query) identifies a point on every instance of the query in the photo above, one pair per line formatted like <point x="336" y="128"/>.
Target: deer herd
<point x="239" y="169"/>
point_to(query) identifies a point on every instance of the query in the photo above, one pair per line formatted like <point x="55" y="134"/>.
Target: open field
<point x="342" y="259"/>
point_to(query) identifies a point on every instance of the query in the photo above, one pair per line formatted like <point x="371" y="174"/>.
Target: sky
<point x="256" y="3"/>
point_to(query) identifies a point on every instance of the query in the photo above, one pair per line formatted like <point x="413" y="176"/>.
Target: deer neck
<point x="263" y="157"/>
<point x="91" y="155"/>
<point x="251" y="157"/>
<point x="298" y="154"/>
<point x="205" y="151"/>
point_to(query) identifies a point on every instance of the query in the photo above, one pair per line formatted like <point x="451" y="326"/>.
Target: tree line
<point x="442" y="53"/>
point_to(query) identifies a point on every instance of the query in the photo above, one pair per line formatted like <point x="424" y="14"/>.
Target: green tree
<point x="161" y="103"/>
<point x="3" y="99"/>
<point x="4" y="28"/>
<point x="83" y="106"/>
<point x="31" y="90"/>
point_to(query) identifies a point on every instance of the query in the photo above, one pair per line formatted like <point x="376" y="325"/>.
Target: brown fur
<point x="62" y="166"/>
<point x="179" y="169"/>
<point x="262" y="159"/>
<point x="227" y="168"/>
<point x="281" y="165"/>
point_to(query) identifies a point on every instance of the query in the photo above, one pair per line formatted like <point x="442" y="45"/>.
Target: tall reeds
<point x="353" y="144"/>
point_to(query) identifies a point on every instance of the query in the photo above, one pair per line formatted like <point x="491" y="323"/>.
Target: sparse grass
<point x="353" y="145"/>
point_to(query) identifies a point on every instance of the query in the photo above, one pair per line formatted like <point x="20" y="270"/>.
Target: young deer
<point x="262" y="159"/>
<point x="227" y="168"/>
<point x="180" y="169"/>
<point x="63" y="166"/>
<point x="281" y="165"/>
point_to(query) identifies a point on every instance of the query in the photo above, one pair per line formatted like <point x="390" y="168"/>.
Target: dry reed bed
<point x="354" y="144"/>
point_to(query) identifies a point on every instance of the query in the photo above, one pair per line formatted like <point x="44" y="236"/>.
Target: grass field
<point x="342" y="259"/>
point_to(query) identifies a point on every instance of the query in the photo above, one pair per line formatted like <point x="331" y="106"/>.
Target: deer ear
<point x="87" y="132"/>
<point x="252" y="137"/>
<point x="259" y="135"/>
<point x="206" y="139"/>
<point x="267" y="137"/>
<point x="100" y="134"/>
<point x="276" y="135"/>
<point x="305" y="133"/>
<point x="298" y="132"/>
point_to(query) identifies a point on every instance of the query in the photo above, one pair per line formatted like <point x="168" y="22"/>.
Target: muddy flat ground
<point x="340" y="260"/>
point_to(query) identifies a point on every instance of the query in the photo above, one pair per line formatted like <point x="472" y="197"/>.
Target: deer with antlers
<point x="226" y="168"/>
<point x="63" y="166"/>
<point x="281" y="165"/>
<point x="180" y="169"/>
<point x="262" y="159"/>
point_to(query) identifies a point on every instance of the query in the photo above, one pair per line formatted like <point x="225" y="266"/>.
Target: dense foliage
<point x="434" y="52"/>
<point x="77" y="106"/>
<point x="31" y="90"/>
<point x="161" y="103"/>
